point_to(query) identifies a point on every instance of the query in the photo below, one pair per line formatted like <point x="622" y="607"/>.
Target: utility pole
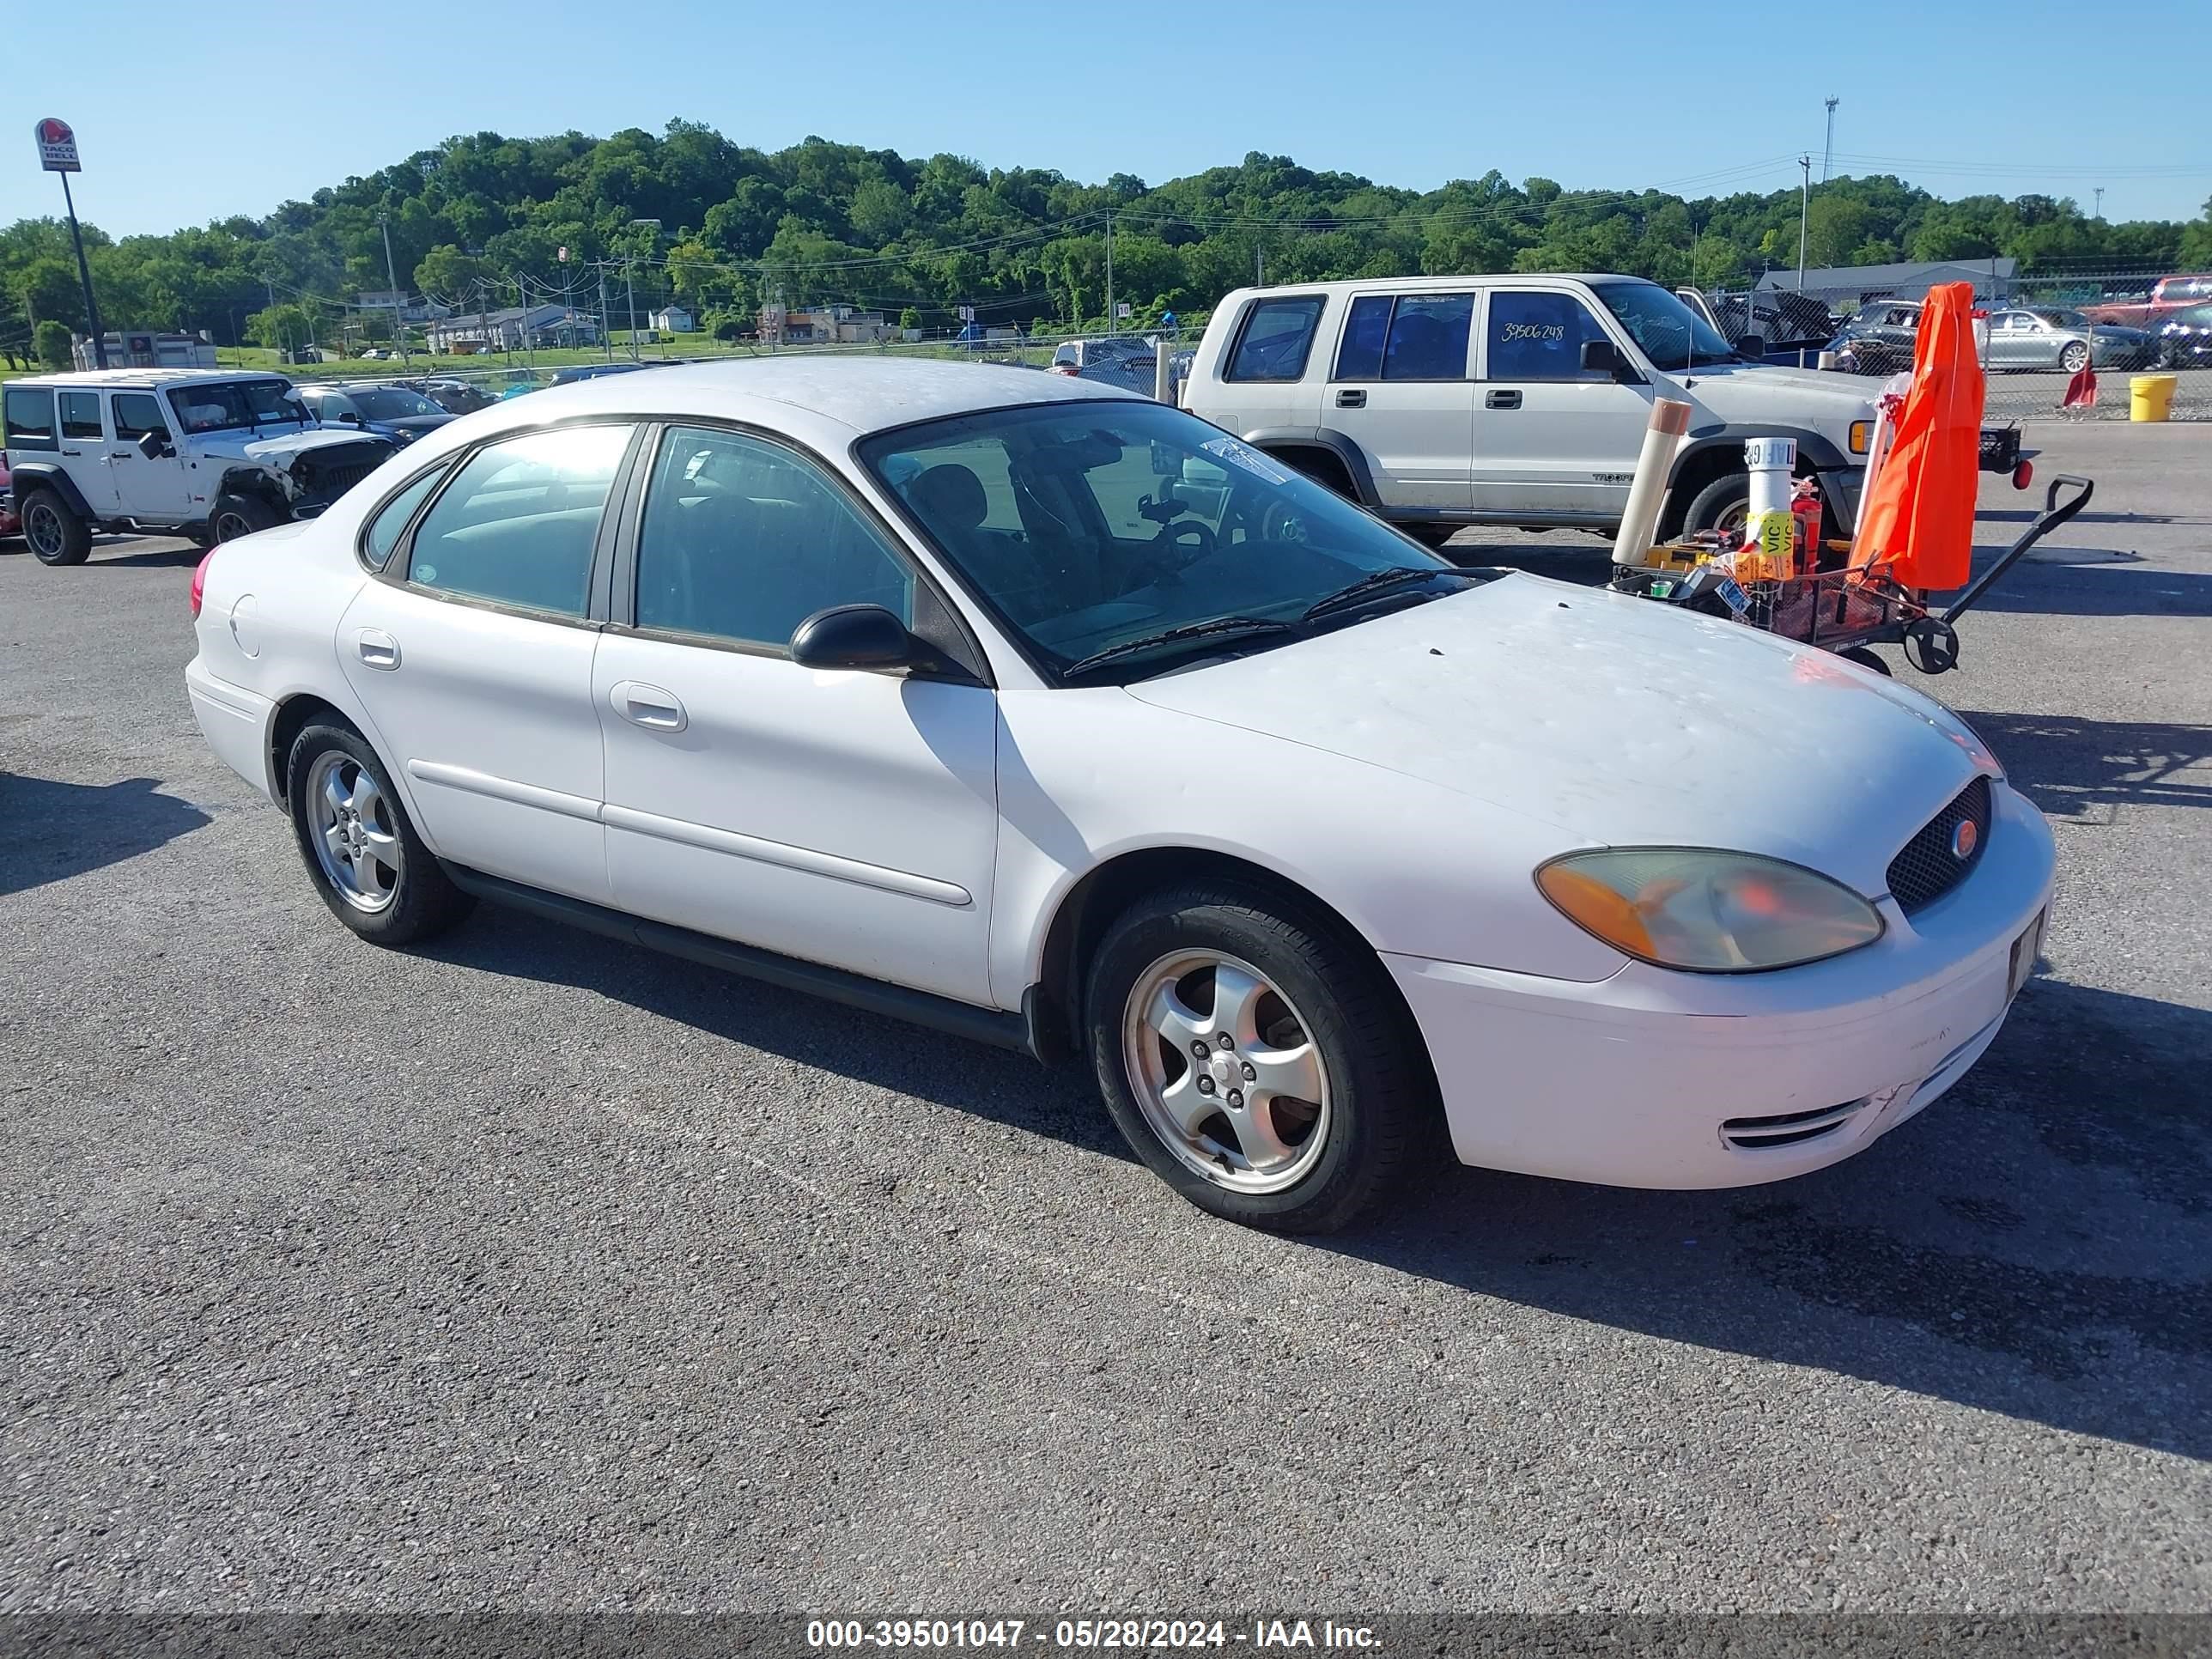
<point x="606" y="338"/>
<point x="2098" y="212"/>
<point x="398" y="328"/>
<point x="1110" y="272"/>
<point x="1804" y="218"/>
<point x="1828" y="150"/>
<point x="629" y="285"/>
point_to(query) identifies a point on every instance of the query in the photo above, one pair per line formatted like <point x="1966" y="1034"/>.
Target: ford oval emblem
<point x="1964" y="839"/>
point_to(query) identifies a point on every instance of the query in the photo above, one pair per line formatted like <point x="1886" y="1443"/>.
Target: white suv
<point x="206" y="454"/>
<point x="1443" y="401"/>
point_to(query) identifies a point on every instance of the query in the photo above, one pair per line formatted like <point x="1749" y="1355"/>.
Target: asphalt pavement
<point x="531" y="1271"/>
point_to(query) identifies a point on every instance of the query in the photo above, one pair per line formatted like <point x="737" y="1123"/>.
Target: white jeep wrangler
<point x="1438" y="402"/>
<point x="195" y="452"/>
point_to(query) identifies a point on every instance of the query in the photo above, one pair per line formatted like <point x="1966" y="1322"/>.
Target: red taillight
<point x="199" y="583"/>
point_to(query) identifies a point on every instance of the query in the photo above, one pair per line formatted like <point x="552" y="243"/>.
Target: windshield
<point x="381" y="402"/>
<point x="1671" y="335"/>
<point x="221" y="404"/>
<point x="1090" y="526"/>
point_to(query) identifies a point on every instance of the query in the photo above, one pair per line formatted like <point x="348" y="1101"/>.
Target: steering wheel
<point x="1157" y="563"/>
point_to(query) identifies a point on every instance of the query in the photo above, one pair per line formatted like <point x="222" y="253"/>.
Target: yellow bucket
<point x="2151" y="396"/>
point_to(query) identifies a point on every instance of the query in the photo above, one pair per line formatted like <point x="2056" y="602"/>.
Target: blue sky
<point x="1598" y="94"/>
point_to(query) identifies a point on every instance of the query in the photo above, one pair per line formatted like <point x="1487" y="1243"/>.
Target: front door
<point x="1400" y="389"/>
<point x="845" y="818"/>
<point x="1553" y="441"/>
<point x="157" y="491"/>
<point x="473" y="659"/>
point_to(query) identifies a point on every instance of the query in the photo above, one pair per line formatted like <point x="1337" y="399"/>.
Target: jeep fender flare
<point x="253" y="479"/>
<point x="46" y="475"/>
<point x="1322" y="437"/>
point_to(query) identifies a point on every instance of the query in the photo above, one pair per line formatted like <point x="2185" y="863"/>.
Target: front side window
<point x="1673" y="335"/>
<point x="1539" y="335"/>
<point x="221" y="406"/>
<point x="30" y="417"/>
<point x="744" y="539"/>
<point x="1129" y="520"/>
<point x="136" y="414"/>
<point x="518" y="524"/>
<point x="80" y="413"/>
<point x="1277" y="335"/>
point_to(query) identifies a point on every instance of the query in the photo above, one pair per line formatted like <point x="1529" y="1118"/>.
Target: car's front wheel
<point x="2075" y="358"/>
<point x="1256" y="1060"/>
<point x="236" y="515"/>
<point x="55" y="535"/>
<point x="1722" y="506"/>
<point x="363" y="854"/>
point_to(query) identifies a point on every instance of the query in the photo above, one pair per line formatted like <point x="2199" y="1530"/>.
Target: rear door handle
<point x="377" y="648"/>
<point x="648" y="706"/>
<point x="1502" y="400"/>
<point x="1351" y="400"/>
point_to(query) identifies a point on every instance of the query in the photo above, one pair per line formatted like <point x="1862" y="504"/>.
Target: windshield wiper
<point x="1249" y="627"/>
<point x="1377" y="581"/>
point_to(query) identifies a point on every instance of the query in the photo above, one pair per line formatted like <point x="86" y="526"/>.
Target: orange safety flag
<point x="1919" y="516"/>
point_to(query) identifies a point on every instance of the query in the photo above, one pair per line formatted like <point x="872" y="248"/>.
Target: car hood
<point x="1619" y="721"/>
<point x="1767" y="394"/>
<point x="284" y="448"/>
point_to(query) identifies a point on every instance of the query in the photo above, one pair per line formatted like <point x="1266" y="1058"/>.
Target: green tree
<point x="50" y="340"/>
<point x="286" y="327"/>
<point x="910" y="318"/>
<point x="48" y="289"/>
<point x="451" y="275"/>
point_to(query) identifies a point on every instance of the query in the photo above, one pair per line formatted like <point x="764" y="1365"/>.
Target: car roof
<point x="1431" y="284"/>
<point x="146" y="377"/>
<point x="829" y="398"/>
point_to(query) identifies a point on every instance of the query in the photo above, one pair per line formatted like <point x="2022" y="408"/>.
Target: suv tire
<point x="1308" y="1009"/>
<point x="55" y="535"/>
<point x="1726" y="497"/>
<point x="234" y="515"/>
<point x="362" y="853"/>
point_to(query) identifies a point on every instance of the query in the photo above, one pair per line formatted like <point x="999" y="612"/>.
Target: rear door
<point x="1553" y="441"/>
<point x="1402" y="387"/>
<point x="84" y="446"/>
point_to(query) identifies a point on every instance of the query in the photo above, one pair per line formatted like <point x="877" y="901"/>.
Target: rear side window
<point x="1539" y="337"/>
<point x="80" y="414"/>
<point x="518" y="524"/>
<point x="30" y="417"/>
<point x="389" y="525"/>
<point x="1276" y="337"/>
<point x="136" y="414"/>
<point x="1410" y="337"/>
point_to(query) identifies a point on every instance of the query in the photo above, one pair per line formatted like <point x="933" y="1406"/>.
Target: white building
<point x="513" y="327"/>
<point x="672" y="320"/>
<point x="134" y="348"/>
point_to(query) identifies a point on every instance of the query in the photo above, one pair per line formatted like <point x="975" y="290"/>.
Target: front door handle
<point x="648" y="706"/>
<point x="1351" y="400"/>
<point x="377" y="648"/>
<point x="1502" y="400"/>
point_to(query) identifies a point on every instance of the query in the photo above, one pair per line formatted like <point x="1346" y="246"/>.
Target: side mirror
<point x="1602" y="357"/>
<point x="154" y="445"/>
<point x="1751" y="345"/>
<point x="853" y="636"/>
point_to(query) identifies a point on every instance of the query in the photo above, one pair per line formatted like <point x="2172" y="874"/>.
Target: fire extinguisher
<point x="1805" y="505"/>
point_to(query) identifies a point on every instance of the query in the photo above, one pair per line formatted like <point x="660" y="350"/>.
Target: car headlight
<point x="1708" y="912"/>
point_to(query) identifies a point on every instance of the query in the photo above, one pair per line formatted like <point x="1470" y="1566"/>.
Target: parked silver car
<point x="2049" y="336"/>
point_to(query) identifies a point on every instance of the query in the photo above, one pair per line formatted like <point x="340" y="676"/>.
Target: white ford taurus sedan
<point x="1058" y="717"/>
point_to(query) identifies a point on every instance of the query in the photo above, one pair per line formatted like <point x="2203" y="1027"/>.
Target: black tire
<point x="234" y="515"/>
<point x="1731" y="491"/>
<point x="424" y="903"/>
<point x="1431" y="535"/>
<point x="1382" y="1106"/>
<point x="55" y="535"/>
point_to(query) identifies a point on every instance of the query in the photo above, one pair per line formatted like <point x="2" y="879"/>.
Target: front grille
<point x="1748" y="1134"/>
<point x="336" y="480"/>
<point x="1929" y="868"/>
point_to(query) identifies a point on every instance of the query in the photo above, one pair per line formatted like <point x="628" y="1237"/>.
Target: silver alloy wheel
<point x="1728" y="524"/>
<point x="2075" y="358"/>
<point x="1225" y="1070"/>
<point x="352" y="832"/>
<point x="43" y="530"/>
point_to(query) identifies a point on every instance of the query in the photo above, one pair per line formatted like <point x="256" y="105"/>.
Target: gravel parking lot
<point x="533" y="1271"/>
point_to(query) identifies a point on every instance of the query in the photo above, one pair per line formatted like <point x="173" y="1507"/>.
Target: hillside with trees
<point x="481" y="221"/>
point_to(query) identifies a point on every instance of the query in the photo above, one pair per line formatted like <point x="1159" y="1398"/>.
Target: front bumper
<point x="1657" y="1078"/>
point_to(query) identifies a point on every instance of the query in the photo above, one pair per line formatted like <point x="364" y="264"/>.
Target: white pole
<point x="1163" y="386"/>
<point x="1639" y="520"/>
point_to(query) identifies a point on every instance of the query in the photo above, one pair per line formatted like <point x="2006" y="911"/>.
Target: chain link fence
<point x="2039" y="333"/>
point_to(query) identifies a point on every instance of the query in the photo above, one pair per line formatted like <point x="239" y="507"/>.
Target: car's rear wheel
<point x="363" y="854"/>
<point x="236" y="515"/>
<point x="1257" y="1061"/>
<point x="55" y="535"/>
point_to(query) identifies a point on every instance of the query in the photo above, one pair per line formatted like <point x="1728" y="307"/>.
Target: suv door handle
<point x="648" y="705"/>
<point x="377" y="648"/>
<point x="1351" y="400"/>
<point x="1502" y="400"/>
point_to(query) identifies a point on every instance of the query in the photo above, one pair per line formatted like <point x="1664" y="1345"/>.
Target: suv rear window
<point x="1275" y="339"/>
<point x="30" y="417"/>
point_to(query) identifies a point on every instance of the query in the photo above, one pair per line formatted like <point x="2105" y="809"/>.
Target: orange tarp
<point x="1918" y="517"/>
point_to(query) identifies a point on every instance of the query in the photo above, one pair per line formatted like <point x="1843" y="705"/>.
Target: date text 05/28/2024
<point x="1121" y="1633"/>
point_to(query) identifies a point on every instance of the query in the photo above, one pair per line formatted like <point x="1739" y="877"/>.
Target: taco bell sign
<point x="56" y="146"/>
